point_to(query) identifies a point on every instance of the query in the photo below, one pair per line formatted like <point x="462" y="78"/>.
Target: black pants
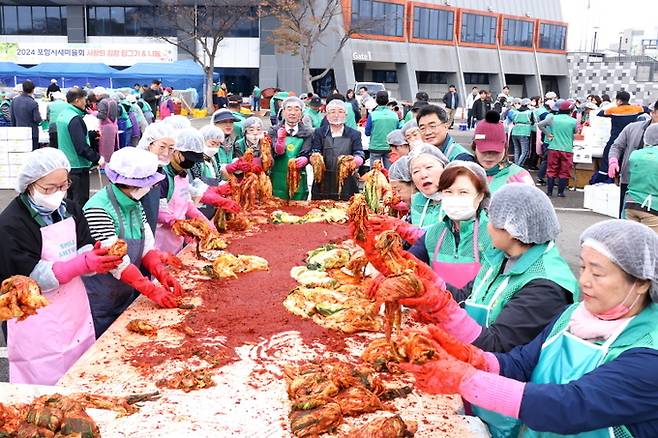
<point x="79" y="190"/>
<point x="622" y="194"/>
<point x="53" y="139"/>
<point x="35" y="143"/>
<point x="533" y="159"/>
<point x="469" y="120"/>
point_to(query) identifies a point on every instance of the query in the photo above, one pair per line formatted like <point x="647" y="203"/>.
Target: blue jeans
<point x="256" y="106"/>
<point x="381" y="156"/>
<point x="521" y="149"/>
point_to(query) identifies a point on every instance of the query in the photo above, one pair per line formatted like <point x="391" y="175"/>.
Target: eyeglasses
<point x="430" y="127"/>
<point x="53" y="189"/>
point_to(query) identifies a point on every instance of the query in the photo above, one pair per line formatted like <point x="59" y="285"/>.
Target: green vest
<point x="225" y="156"/>
<point x="452" y="149"/>
<point x="383" y="122"/>
<point x="643" y="181"/>
<point x="170" y="173"/>
<point x="407" y="117"/>
<point x="495" y="288"/>
<point x="501" y="178"/>
<point x="424" y="211"/>
<point x="522" y="123"/>
<point x="350" y="121"/>
<point x="237" y="126"/>
<point x="537" y="113"/>
<point x="131" y="211"/>
<point x="563" y="129"/>
<point x="280" y="171"/>
<point x="55" y="108"/>
<point x="64" y="141"/>
<point x="450" y="251"/>
<point x="315" y="116"/>
<point x="256" y="92"/>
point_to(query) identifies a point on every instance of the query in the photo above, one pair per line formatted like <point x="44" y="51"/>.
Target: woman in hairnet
<point x="209" y="170"/>
<point x="47" y="238"/>
<point x="411" y="134"/>
<point x="641" y="203"/>
<point x="453" y="246"/>
<point x="158" y="139"/>
<point x="254" y="138"/>
<point x="114" y="213"/>
<point x="490" y="144"/>
<point x="402" y="186"/>
<point x="592" y="371"/>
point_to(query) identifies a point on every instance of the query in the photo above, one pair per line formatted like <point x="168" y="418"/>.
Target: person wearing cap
<point x="412" y="113"/>
<point x="489" y="143"/>
<point x="175" y="191"/>
<point x="523" y="121"/>
<point x="412" y="134"/>
<point x="333" y="141"/>
<point x="290" y="137"/>
<point x="73" y="140"/>
<point x="312" y="115"/>
<point x="590" y="372"/>
<point x="398" y="145"/>
<point x="560" y="148"/>
<point x="53" y="109"/>
<point x="381" y="121"/>
<point x="631" y="138"/>
<point x="115" y="212"/>
<point x="433" y="124"/>
<point x="426" y="164"/>
<point x="108" y="114"/>
<point x="402" y="186"/>
<point x="24" y="111"/>
<point x="52" y="88"/>
<point x="228" y="152"/>
<point x="47" y="238"/>
<point x="641" y="201"/>
<point x="454" y="244"/>
<point x="158" y="139"/>
<point x="234" y="106"/>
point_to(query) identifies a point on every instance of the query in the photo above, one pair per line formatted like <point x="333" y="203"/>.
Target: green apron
<point x="643" y="182"/>
<point x="452" y="149"/>
<point x="280" y="171"/>
<point x="424" y="212"/>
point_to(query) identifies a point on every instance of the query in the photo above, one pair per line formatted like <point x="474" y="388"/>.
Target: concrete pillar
<point x="563" y="86"/>
<point x="496" y="83"/>
<point x="531" y="86"/>
<point x="76" y="24"/>
<point x="344" y="71"/>
<point x="406" y="80"/>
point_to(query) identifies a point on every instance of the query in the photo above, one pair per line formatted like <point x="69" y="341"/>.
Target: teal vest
<point x="643" y="181"/>
<point x="315" y="116"/>
<point x="383" y="122"/>
<point x="131" y="211"/>
<point x="537" y="113"/>
<point x="450" y="252"/>
<point x="522" y="123"/>
<point x="452" y="149"/>
<point x="424" y="212"/>
<point x="501" y="178"/>
<point x="55" y="108"/>
<point x="563" y="129"/>
<point x="350" y="121"/>
<point x="64" y="141"/>
<point x="237" y="126"/>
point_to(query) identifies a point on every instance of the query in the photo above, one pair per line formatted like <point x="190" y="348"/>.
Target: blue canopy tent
<point x="69" y="74"/>
<point x="179" y="75"/>
<point x="8" y="73"/>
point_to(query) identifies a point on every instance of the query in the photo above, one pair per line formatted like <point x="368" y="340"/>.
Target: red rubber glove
<point x="239" y="165"/>
<point x="379" y="223"/>
<point x="443" y="376"/>
<point x="222" y="189"/>
<point x="95" y="261"/>
<point x="132" y="277"/>
<point x="153" y="262"/>
<point x="459" y="350"/>
<point x="301" y="162"/>
<point x="435" y="302"/>
<point x="171" y="260"/>
<point x="255" y="168"/>
<point x="212" y="198"/>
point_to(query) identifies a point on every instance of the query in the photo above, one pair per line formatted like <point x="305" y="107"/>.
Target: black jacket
<point x="481" y="108"/>
<point x="78" y="132"/>
<point x="446" y="100"/>
<point x="320" y="133"/>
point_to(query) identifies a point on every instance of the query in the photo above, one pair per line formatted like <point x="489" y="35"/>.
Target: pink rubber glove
<point x="358" y="161"/>
<point x="613" y="167"/>
<point x="437" y="306"/>
<point x="95" y="261"/>
<point x="493" y="392"/>
<point x="465" y="352"/>
<point x="409" y="232"/>
<point x="153" y="262"/>
<point x="280" y="144"/>
<point x="301" y="162"/>
<point x="166" y="218"/>
<point x="401" y="207"/>
<point x="134" y="278"/>
<point x="380" y="223"/>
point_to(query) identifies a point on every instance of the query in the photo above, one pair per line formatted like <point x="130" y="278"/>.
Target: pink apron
<point x="165" y="238"/>
<point x="458" y="274"/>
<point x="44" y="346"/>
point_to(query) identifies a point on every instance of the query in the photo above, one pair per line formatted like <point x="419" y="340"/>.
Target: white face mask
<point x="49" y="202"/>
<point x="458" y="208"/>
<point x="162" y="163"/>
<point x="139" y="193"/>
<point x="210" y="152"/>
<point x="254" y="138"/>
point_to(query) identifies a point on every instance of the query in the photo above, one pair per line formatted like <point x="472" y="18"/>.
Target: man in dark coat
<point x="24" y="112"/>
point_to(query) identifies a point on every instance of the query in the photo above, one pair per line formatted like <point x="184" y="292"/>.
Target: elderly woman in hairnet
<point x="255" y="138"/>
<point x="290" y="137"/>
<point x="592" y="371"/>
<point x="115" y="213"/>
<point x="47" y="238"/>
<point x="333" y="141"/>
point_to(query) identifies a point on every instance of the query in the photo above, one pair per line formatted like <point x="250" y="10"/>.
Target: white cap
<point x="133" y="163"/>
<point x="178" y="122"/>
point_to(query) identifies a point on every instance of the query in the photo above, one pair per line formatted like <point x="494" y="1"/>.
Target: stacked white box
<point x="602" y="199"/>
<point x="15" y="145"/>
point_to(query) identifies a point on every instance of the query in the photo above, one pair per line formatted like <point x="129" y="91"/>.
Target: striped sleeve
<point x="100" y="223"/>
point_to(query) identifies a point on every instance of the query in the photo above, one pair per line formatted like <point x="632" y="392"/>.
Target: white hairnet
<point x="252" y="121"/>
<point x="335" y="103"/>
<point x="630" y="245"/>
<point x="427" y="149"/>
<point x="100" y="91"/>
<point x="293" y="100"/>
<point x="189" y="140"/>
<point x="409" y="125"/>
<point x="475" y="168"/>
<point x="131" y="162"/>
<point x="40" y="163"/>
<point x="178" y="122"/>
<point x="395" y="137"/>
<point x="154" y="132"/>
<point x="399" y="171"/>
<point x="651" y="135"/>
<point x="211" y="132"/>
<point x="525" y="212"/>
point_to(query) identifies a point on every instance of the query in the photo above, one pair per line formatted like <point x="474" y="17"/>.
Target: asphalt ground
<point x="573" y="221"/>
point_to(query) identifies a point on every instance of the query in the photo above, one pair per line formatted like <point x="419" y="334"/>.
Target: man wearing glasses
<point x="433" y="123"/>
<point x="74" y="142"/>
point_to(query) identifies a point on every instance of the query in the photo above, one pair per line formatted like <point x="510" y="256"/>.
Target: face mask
<point x="336" y="119"/>
<point x="458" y="208"/>
<point x="164" y="163"/>
<point x="620" y="309"/>
<point x="49" y="202"/>
<point x="210" y="152"/>
<point x="139" y="193"/>
<point x="415" y="143"/>
<point x="186" y="164"/>
<point x="254" y="138"/>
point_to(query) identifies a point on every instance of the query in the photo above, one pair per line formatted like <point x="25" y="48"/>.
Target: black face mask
<point x="187" y="164"/>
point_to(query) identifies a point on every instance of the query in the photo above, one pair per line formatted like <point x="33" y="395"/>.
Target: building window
<point x="33" y="20"/>
<point x="378" y="18"/>
<point x="552" y="36"/>
<point x="479" y="29"/>
<point x="433" y="24"/>
<point x="126" y="21"/>
<point x="431" y="77"/>
<point x="476" y="78"/>
<point x="389" y="76"/>
<point x="518" y="33"/>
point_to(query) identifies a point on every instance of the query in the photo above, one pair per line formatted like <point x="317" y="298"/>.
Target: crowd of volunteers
<point x="532" y="348"/>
